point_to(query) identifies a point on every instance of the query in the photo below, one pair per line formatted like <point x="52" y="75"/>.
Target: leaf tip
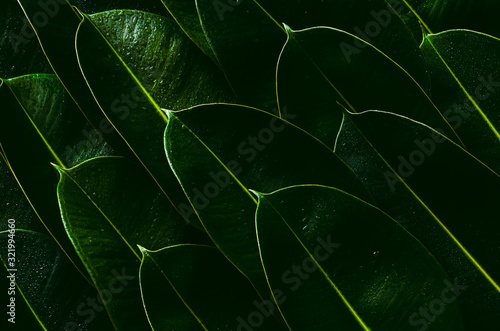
<point x="288" y="30"/>
<point x="143" y="250"/>
<point x="257" y="194"/>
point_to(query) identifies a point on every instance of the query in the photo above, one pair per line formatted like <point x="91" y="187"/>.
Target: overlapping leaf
<point x="56" y="293"/>
<point x="40" y="125"/>
<point x="108" y="207"/>
<point x="220" y="151"/>
<point x="329" y="273"/>
<point x="312" y="64"/>
<point x="183" y="285"/>
<point x="465" y="72"/>
<point x="441" y="194"/>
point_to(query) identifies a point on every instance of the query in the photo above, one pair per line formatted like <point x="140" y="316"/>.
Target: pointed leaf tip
<point x="256" y="193"/>
<point x="287" y="28"/>
<point x="143" y="250"/>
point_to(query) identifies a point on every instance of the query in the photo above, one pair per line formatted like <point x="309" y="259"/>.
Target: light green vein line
<point x="219" y="160"/>
<point x="471" y="99"/>
<point x="134" y="77"/>
<point x="418" y="16"/>
<point x="325" y="274"/>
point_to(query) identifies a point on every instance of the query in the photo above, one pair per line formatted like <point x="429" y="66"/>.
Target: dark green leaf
<point x="186" y="15"/>
<point x="218" y="152"/>
<point x="313" y="63"/>
<point x="465" y="72"/>
<point x="439" y="193"/>
<point x="40" y="125"/>
<point x="246" y="42"/>
<point x="193" y="287"/>
<point x="328" y="272"/>
<point x="55" y="24"/>
<point x="108" y="207"/>
<point x="57" y="294"/>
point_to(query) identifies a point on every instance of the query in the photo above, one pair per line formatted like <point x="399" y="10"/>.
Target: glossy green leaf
<point x="40" y="125"/>
<point x="328" y="272"/>
<point x="465" y="72"/>
<point x="108" y="208"/>
<point x="186" y="15"/>
<point x="441" y="194"/>
<point x="218" y="152"/>
<point x="58" y="296"/>
<point x="55" y="24"/>
<point x="314" y="63"/>
<point x="193" y="287"/>
<point x="173" y="70"/>
<point x="128" y="105"/>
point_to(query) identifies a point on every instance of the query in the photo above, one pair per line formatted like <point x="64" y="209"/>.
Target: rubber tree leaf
<point x="58" y="296"/>
<point x="173" y="70"/>
<point x="313" y="64"/>
<point x="108" y="208"/>
<point x="128" y="105"/>
<point x="441" y="195"/>
<point x="40" y="125"/>
<point x="465" y="75"/>
<point x="220" y="151"/>
<point x="55" y="24"/>
<point x="440" y="15"/>
<point x="331" y="273"/>
<point x="14" y="204"/>
<point x="186" y="15"/>
<point x="246" y="42"/>
<point x="193" y="287"/>
<point x="376" y="22"/>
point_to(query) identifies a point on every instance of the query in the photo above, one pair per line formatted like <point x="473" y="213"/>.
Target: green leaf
<point x="58" y="296"/>
<point x="13" y="202"/>
<point x="244" y="148"/>
<point x="328" y="272"/>
<point x="123" y="97"/>
<point x="41" y="125"/>
<point x="441" y="195"/>
<point x="186" y="15"/>
<point x="465" y="75"/>
<point x="377" y="22"/>
<point x="57" y="40"/>
<point x="108" y="207"/>
<point x="193" y="287"/>
<point x="246" y="42"/>
<point x="314" y="63"/>
<point x="173" y="70"/>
